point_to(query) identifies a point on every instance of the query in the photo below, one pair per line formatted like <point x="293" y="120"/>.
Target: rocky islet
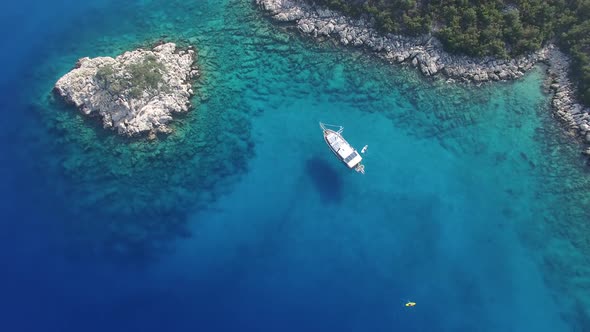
<point x="135" y="93"/>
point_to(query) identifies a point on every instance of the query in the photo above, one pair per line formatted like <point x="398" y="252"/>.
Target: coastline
<point x="426" y="54"/>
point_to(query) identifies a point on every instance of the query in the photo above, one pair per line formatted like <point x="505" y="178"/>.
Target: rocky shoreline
<point x="426" y="54"/>
<point x="566" y="108"/>
<point x="135" y="93"/>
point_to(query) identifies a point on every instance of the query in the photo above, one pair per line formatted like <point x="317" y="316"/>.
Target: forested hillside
<point x="488" y="27"/>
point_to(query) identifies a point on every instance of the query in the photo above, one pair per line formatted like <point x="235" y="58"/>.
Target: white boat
<point x="344" y="151"/>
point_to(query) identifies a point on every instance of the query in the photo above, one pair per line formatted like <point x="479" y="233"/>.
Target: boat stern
<point x="353" y="160"/>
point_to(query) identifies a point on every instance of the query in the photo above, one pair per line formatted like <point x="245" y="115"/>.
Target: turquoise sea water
<point x="473" y="205"/>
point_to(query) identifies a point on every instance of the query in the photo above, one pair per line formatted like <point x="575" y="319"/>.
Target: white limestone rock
<point x="136" y="92"/>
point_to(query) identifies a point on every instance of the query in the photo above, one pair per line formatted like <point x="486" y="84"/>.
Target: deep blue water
<point x="473" y="205"/>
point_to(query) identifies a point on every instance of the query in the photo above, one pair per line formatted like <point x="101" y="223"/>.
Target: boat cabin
<point x="341" y="148"/>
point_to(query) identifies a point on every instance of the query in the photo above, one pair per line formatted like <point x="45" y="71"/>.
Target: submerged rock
<point x="136" y="92"/>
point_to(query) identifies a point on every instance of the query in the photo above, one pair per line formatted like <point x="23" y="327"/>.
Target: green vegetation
<point x="143" y="76"/>
<point x="488" y="27"/>
<point x="105" y="76"/>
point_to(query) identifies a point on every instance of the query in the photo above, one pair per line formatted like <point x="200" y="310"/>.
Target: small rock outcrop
<point x="136" y="92"/>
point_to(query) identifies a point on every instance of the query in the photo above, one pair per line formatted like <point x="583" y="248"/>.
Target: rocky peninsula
<point x="134" y="93"/>
<point x="426" y="53"/>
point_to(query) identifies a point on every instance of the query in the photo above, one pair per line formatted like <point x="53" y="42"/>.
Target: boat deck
<point x="339" y="145"/>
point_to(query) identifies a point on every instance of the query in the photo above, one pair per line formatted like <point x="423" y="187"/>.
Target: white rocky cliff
<point x="135" y="93"/>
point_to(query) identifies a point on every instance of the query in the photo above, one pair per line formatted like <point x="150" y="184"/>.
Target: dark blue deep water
<point x="474" y="204"/>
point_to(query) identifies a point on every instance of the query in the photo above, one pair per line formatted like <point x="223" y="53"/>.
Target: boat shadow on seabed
<point x="325" y="179"/>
